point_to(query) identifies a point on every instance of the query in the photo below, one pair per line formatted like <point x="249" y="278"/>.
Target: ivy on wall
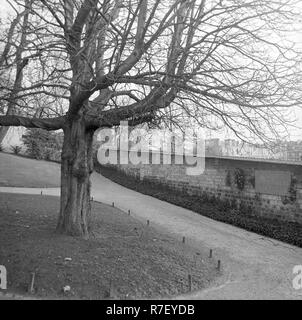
<point x="293" y="189"/>
<point x="292" y="192"/>
<point x="228" y="179"/>
<point x="239" y="178"/>
<point x="252" y="181"/>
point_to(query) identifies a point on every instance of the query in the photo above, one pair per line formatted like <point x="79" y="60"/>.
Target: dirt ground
<point x="123" y="259"/>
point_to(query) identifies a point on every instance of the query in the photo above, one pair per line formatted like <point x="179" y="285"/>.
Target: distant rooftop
<point x="299" y="163"/>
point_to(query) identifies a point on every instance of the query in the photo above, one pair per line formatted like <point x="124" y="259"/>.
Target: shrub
<point x="224" y="205"/>
<point x="1" y="147"/>
<point x="245" y="209"/>
<point x="47" y="154"/>
<point x="16" y="149"/>
<point x="42" y="144"/>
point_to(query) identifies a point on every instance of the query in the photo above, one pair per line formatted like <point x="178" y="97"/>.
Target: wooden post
<point x="211" y="253"/>
<point x="190" y="282"/>
<point x="113" y="204"/>
<point x="219" y="265"/>
<point x="148" y="222"/>
<point x="110" y="289"/>
<point x="183" y="239"/>
<point x="129" y="212"/>
<point x="31" y="283"/>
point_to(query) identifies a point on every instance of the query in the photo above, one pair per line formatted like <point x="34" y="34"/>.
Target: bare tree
<point x="113" y="60"/>
<point x="20" y="63"/>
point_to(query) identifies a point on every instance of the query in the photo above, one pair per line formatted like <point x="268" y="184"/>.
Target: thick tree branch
<point x="80" y="20"/>
<point x="144" y="109"/>
<point x="47" y="124"/>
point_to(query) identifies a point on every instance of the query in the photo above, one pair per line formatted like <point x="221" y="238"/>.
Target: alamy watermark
<point x="3" y="278"/>
<point x="135" y="147"/>
<point x="297" y="281"/>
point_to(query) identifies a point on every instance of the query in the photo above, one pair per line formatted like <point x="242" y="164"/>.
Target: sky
<point x="295" y="132"/>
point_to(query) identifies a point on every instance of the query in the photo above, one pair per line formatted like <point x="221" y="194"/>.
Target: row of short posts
<point x="210" y="257"/>
<point x="183" y="241"/>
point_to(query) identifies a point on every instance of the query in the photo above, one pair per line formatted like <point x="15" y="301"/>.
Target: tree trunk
<point x="76" y="168"/>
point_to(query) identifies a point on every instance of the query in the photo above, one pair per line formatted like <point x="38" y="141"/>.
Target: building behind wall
<point x="287" y="151"/>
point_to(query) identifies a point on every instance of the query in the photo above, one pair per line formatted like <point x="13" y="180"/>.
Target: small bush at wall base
<point x="226" y="205"/>
<point x="245" y="209"/>
<point x="214" y="208"/>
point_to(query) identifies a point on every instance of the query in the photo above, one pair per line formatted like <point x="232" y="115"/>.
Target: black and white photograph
<point x="150" y="153"/>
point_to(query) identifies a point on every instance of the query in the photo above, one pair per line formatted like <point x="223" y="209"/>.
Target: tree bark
<point x="76" y="168"/>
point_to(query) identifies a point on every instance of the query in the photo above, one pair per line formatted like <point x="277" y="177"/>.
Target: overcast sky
<point x="295" y="133"/>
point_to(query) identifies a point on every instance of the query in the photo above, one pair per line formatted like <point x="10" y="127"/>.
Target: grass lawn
<point x="17" y="171"/>
<point x="134" y="260"/>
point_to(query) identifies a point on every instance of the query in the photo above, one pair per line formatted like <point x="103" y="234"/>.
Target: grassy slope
<point x="139" y="261"/>
<point x="22" y="172"/>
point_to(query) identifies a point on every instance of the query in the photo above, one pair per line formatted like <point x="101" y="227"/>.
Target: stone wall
<point x="241" y="181"/>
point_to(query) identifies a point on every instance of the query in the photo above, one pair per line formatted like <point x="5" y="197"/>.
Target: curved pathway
<point x="253" y="266"/>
